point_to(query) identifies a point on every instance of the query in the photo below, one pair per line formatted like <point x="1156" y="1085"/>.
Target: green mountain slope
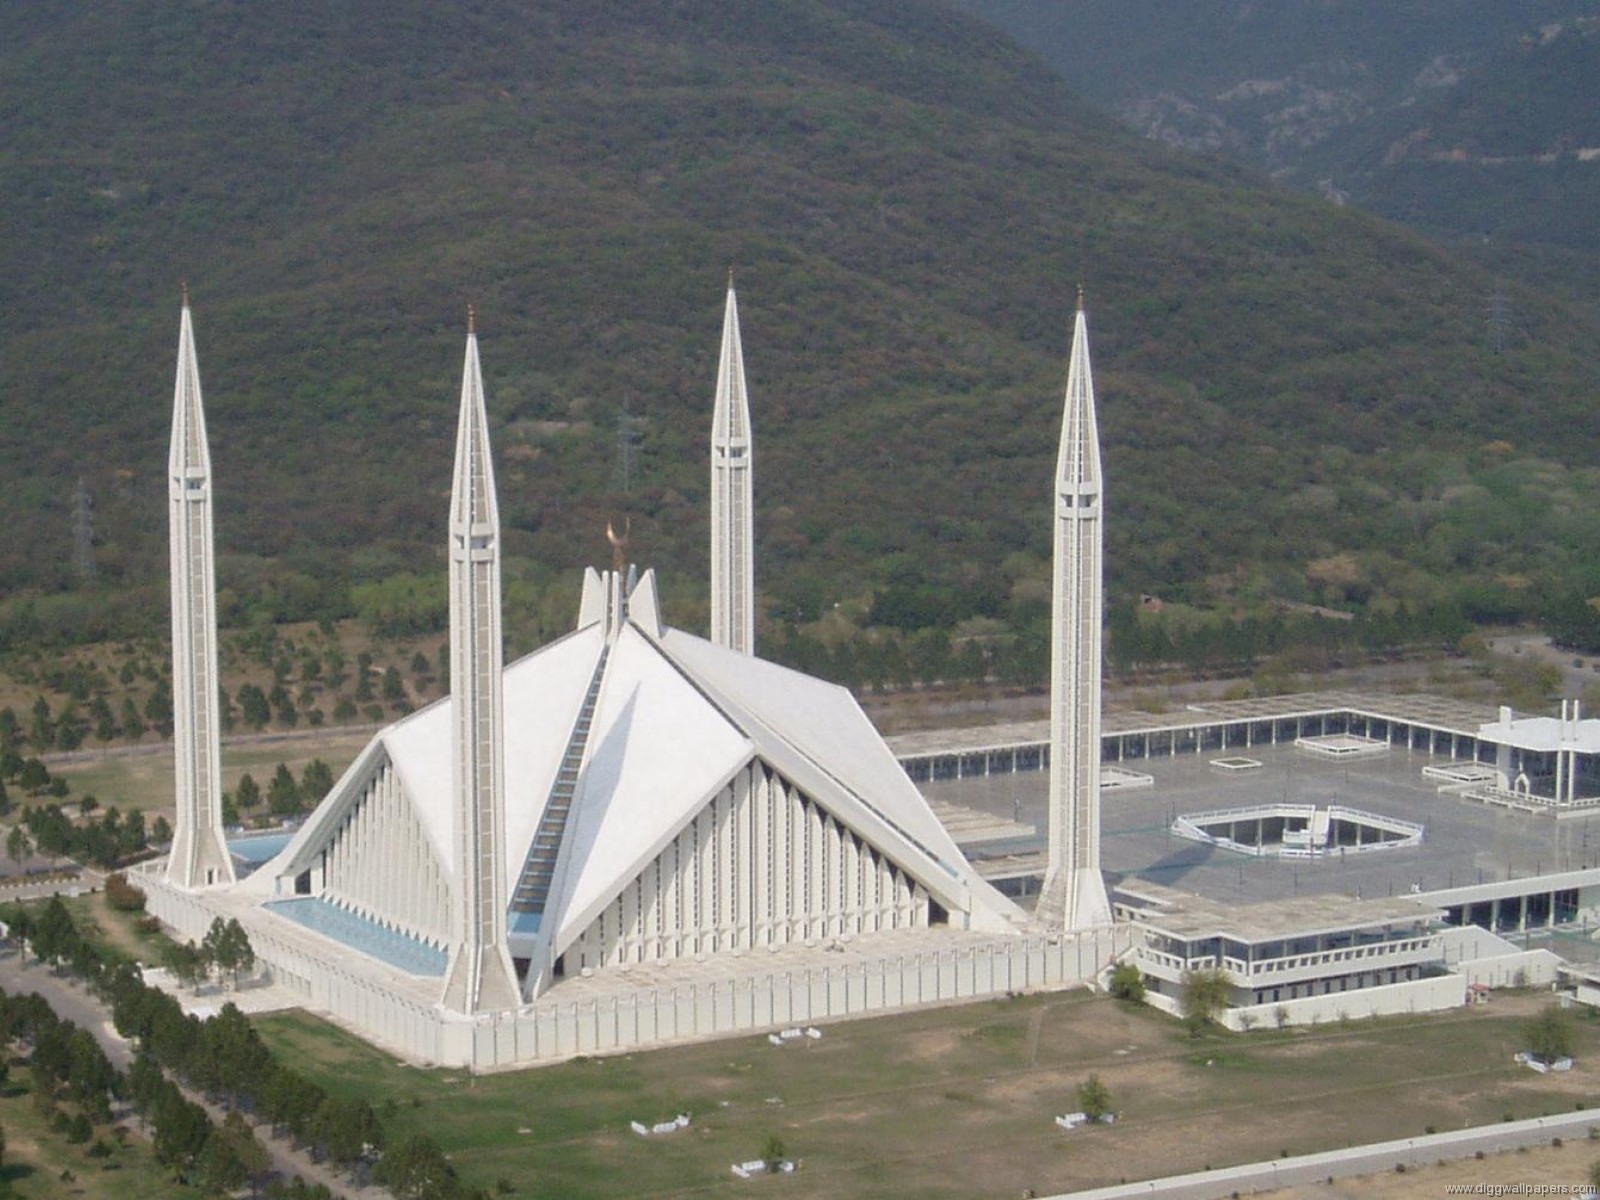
<point x="908" y="201"/>
<point x="1463" y="119"/>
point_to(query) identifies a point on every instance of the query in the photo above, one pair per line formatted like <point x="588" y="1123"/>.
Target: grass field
<point x="144" y="781"/>
<point x="40" y="1164"/>
<point x="958" y="1102"/>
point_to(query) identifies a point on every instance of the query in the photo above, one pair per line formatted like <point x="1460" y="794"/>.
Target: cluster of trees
<point x="26" y="775"/>
<point x="311" y="682"/>
<point x="74" y="723"/>
<point x="225" y="1059"/>
<point x="106" y="841"/>
<point x="1017" y="654"/>
<point x="284" y="797"/>
<point x="74" y="1083"/>
<point x="225" y="950"/>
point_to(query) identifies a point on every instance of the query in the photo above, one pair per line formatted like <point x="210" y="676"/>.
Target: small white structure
<point x="1544" y="763"/>
<point x="1342" y="745"/>
<point x="1286" y="830"/>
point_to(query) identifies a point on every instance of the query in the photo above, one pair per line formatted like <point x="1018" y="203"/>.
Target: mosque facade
<point x="633" y="835"/>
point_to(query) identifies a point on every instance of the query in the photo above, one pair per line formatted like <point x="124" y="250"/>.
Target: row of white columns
<point x="761" y="865"/>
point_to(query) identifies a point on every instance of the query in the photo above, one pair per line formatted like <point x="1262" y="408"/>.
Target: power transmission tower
<point x="630" y="433"/>
<point x="83" y="530"/>
<point x="1500" y="322"/>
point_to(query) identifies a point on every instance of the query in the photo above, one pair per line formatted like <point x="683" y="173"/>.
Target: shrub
<point x="122" y="895"/>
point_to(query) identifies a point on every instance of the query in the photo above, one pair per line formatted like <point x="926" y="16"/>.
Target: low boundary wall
<point x="748" y="999"/>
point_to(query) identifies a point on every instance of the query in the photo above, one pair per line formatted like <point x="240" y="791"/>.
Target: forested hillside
<point x="1299" y="403"/>
<point x="1477" y="122"/>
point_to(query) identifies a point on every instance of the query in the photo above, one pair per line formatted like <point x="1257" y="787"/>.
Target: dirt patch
<point x="932" y="1044"/>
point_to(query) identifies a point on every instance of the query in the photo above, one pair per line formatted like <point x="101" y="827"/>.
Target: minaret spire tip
<point x="472" y="321"/>
<point x="183" y="286"/>
<point x="1080" y="297"/>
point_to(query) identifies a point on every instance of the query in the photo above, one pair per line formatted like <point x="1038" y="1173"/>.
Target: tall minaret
<point x="480" y="976"/>
<point x="733" y="587"/>
<point x="1074" y="893"/>
<point x="199" y="855"/>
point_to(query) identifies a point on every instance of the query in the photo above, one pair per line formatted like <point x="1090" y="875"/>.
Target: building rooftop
<point x="1186" y="915"/>
<point x="1435" y="712"/>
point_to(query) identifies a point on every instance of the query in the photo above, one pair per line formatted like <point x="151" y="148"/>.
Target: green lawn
<point x="41" y="1164"/>
<point x="955" y="1102"/>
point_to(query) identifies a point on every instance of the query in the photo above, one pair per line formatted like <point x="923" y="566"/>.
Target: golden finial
<point x="730" y="277"/>
<point x="472" y="321"/>
<point x="1080" y="297"/>
<point x="619" y="545"/>
<point x="183" y="284"/>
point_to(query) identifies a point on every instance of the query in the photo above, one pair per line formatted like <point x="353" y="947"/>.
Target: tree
<point x="248" y="794"/>
<point x="1094" y="1099"/>
<point x="34" y="777"/>
<point x="18" y="847"/>
<point x="158" y="708"/>
<point x="1549" y="1034"/>
<point x="185" y="962"/>
<point x="316" y="781"/>
<point x="227" y="948"/>
<point x="105" y="722"/>
<point x="42" y="729"/>
<point x="1127" y="983"/>
<point x="55" y="934"/>
<point x="133" y="726"/>
<point x="773" y="1152"/>
<point x="161" y="831"/>
<point x="1204" y="995"/>
<point x="253" y="706"/>
<point x="283" y="793"/>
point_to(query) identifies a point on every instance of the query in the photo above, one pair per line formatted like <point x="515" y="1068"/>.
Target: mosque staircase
<point x="539" y="869"/>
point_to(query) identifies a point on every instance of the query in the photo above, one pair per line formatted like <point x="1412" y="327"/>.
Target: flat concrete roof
<point x="1186" y="915"/>
<point x="1433" y="712"/>
<point x="1465" y="843"/>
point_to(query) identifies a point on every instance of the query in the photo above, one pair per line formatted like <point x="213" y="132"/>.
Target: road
<point x="73" y="1002"/>
<point x="1370" y="1159"/>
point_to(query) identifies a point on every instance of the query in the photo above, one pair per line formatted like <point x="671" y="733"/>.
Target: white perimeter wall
<point x="554" y="1029"/>
<point x="1415" y="996"/>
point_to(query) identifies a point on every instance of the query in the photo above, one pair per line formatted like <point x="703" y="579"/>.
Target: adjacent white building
<point x="1293" y="961"/>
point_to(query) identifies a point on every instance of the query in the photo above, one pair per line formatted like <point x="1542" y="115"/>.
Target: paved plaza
<point x="1464" y="841"/>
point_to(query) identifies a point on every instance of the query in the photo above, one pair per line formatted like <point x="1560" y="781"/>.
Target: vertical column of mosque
<point x="733" y="621"/>
<point x="199" y="856"/>
<point x="480" y="977"/>
<point x="1074" y="893"/>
